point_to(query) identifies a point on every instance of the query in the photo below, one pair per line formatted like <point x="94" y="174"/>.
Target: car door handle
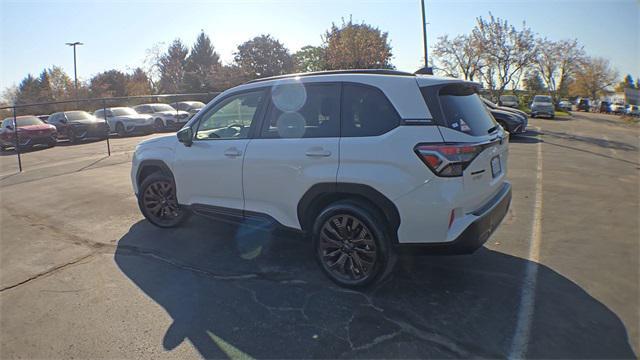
<point x="318" y="152"/>
<point x="232" y="152"/>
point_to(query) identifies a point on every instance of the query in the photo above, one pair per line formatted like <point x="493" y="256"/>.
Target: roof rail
<point x="334" y="72"/>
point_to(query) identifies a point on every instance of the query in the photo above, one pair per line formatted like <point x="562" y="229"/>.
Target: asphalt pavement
<point x="83" y="275"/>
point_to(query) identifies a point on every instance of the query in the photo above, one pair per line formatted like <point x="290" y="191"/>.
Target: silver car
<point x="542" y="105"/>
<point x="125" y="120"/>
<point x="164" y="115"/>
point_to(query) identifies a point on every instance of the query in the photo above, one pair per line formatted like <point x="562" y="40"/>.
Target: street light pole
<point x="424" y="36"/>
<point x="75" y="71"/>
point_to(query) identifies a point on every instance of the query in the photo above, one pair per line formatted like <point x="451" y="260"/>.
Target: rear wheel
<point x="120" y="130"/>
<point x="351" y="244"/>
<point x="158" y="202"/>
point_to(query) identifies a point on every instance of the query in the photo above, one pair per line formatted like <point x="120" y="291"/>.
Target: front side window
<point x="366" y="111"/>
<point x="232" y="118"/>
<point x="303" y="111"/>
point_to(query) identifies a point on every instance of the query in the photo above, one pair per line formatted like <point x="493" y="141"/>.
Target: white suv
<point x="366" y="162"/>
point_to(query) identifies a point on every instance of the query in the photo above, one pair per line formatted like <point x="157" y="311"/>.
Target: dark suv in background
<point x="78" y="125"/>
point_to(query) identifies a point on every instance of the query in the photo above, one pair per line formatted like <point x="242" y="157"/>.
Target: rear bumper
<point x="475" y="235"/>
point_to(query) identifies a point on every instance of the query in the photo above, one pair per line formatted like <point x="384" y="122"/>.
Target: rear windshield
<point x="542" y="99"/>
<point x="464" y="110"/>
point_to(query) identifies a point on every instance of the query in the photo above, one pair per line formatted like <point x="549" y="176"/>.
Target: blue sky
<point x="117" y="33"/>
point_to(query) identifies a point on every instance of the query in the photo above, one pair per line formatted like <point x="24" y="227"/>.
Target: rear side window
<point x="366" y="111"/>
<point x="303" y="111"/>
<point x="463" y="109"/>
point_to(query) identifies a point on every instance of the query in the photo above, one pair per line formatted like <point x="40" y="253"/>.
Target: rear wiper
<point x="493" y="129"/>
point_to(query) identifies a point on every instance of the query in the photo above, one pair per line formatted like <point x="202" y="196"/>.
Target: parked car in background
<point x="565" y="105"/>
<point x="604" y="107"/>
<point x="633" y="110"/>
<point x="511" y="122"/>
<point x="31" y="131"/>
<point x="304" y="152"/>
<point x="43" y="117"/>
<point x="584" y="104"/>
<point x="164" y="115"/>
<point x="618" y="108"/>
<point x="79" y="125"/>
<point x="125" y="120"/>
<point x="542" y="105"/>
<point x="491" y="105"/>
<point x="192" y="107"/>
<point x="509" y="101"/>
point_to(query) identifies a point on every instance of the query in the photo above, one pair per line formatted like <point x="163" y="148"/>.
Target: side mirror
<point x="185" y="136"/>
<point x="63" y="121"/>
<point x="10" y="127"/>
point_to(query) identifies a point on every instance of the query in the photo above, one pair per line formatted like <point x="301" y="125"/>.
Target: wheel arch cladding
<point x="321" y="195"/>
<point x="148" y="167"/>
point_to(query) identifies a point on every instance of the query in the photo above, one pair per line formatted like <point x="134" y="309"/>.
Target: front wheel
<point x="158" y="202"/>
<point x="351" y="244"/>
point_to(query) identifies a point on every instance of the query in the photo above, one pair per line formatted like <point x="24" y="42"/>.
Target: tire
<point x="158" y="203"/>
<point x="158" y="125"/>
<point x="346" y="262"/>
<point x="120" y="130"/>
<point x="71" y="134"/>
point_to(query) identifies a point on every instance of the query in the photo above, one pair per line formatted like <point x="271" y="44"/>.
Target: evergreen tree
<point x="202" y="66"/>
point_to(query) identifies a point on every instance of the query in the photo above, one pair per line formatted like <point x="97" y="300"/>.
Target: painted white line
<point x="520" y="341"/>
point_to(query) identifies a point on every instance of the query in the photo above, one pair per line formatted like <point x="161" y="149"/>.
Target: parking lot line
<point x="526" y="309"/>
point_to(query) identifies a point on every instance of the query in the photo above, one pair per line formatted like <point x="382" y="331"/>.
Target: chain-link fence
<point x="90" y="123"/>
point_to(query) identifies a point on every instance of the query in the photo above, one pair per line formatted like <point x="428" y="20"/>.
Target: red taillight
<point x="448" y="160"/>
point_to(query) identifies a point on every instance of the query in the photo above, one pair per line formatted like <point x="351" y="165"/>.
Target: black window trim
<point x="257" y="117"/>
<point x="269" y="105"/>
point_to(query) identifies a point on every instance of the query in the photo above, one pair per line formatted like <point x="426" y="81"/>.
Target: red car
<point x="31" y="131"/>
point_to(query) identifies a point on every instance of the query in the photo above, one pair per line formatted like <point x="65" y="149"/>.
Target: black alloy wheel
<point x="350" y="243"/>
<point x="158" y="202"/>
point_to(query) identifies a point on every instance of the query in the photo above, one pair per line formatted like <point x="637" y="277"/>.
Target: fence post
<point x="15" y="132"/>
<point x="104" y="112"/>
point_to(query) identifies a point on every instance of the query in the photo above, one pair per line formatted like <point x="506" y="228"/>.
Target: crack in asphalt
<point x="47" y="272"/>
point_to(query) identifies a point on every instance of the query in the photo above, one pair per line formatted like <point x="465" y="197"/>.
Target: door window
<point x="232" y="118"/>
<point x="303" y="111"/>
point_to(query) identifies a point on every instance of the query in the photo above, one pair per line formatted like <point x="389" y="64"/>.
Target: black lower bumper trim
<point x="474" y="236"/>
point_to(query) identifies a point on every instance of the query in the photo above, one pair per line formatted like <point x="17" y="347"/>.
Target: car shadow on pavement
<point x="237" y="291"/>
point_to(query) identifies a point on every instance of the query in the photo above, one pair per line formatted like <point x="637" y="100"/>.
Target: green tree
<point x="202" y="66"/>
<point x="138" y="83"/>
<point x="111" y="83"/>
<point x="172" y="68"/>
<point x="356" y="46"/>
<point x="627" y="83"/>
<point x="533" y="83"/>
<point x="310" y="58"/>
<point x="263" y="56"/>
